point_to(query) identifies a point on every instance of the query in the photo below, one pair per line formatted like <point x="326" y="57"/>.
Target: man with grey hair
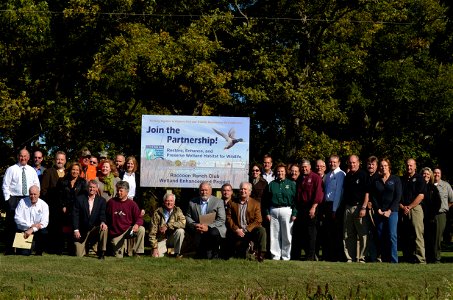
<point x="205" y="218"/>
<point x="89" y="221"/>
<point x="309" y="195"/>
<point x="321" y="168"/>
<point x="244" y="223"/>
<point x="32" y="218"/>
<point x="438" y="219"/>
<point x="125" y="222"/>
<point x="167" y="226"/>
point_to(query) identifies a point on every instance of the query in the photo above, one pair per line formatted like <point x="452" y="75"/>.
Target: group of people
<point x="356" y="216"/>
<point x="76" y="208"/>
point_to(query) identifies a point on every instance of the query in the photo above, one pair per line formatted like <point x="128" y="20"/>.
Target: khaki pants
<point x="355" y="231"/>
<point x="119" y="245"/>
<point x="173" y="240"/>
<point x="412" y="230"/>
<point x="95" y="235"/>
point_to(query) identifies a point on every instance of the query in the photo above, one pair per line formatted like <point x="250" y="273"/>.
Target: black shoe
<point x="101" y="255"/>
<point x="9" y="252"/>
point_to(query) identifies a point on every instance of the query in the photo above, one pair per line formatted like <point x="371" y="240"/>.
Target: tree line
<point x="315" y="77"/>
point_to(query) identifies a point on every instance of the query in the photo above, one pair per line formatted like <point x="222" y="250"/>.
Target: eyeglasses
<point x="37" y="157"/>
<point x="93" y="162"/>
<point x="255" y="170"/>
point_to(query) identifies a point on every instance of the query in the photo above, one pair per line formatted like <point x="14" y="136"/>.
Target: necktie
<point x="24" y="182"/>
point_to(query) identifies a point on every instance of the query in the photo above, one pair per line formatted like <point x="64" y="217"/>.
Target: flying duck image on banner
<point x="183" y="151"/>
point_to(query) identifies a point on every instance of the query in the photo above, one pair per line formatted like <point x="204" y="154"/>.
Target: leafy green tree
<point x="315" y="77"/>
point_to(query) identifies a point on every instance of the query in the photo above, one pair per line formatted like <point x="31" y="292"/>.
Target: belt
<point x="279" y="206"/>
<point x="20" y="196"/>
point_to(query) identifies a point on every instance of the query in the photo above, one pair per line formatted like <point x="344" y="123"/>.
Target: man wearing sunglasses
<point x="38" y="158"/>
<point x="94" y="161"/>
<point x="88" y="170"/>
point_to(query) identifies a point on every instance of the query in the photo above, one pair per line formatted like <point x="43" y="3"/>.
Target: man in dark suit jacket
<point x="244" y="223"/>
<point x="50" y="194"/>
<point x="207" y="236"/>
<point x="89" y="221"/>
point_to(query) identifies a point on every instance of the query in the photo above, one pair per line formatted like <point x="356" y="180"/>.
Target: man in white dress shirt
<point x="16" y="183"/>
<point x="332" y="220"/>
<point x="267" y="174"/>
<point x="32" y="218"/>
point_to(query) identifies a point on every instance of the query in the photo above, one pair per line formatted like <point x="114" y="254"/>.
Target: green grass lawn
<point x="53" y="277"/>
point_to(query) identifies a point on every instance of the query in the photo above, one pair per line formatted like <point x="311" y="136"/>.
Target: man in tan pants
<point x="125" y="222"/>
<point x="89" y="221"/>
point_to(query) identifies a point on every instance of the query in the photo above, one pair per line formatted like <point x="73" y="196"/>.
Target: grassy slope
<point x="69" y="277"/>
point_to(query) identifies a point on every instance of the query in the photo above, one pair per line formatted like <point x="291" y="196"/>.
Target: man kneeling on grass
<point x="167" y="228"/>
<point x="244" y="224"/>
<point x="125" y="222"/>
<point x="88" y="219"/>
<point x="32" y="218"/>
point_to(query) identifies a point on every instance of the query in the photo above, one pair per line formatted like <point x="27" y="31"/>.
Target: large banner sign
<point x="183" y="151"/>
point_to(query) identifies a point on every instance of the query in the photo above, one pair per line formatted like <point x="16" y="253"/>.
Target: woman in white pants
<point x="281" y="213"/>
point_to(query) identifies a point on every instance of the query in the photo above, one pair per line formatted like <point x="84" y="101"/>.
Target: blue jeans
<point x="387" y="236"/>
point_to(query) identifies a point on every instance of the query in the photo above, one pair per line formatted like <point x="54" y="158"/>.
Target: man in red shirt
<point x="125" y="222"/>
<point x="309" y="195"/>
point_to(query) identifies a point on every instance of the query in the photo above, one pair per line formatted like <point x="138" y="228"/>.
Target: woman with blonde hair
<point x="431" y="205"/>
<point x="133" y="178"/>
<point x="107" y="179"/>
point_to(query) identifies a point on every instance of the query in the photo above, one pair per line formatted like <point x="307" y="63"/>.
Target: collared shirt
<point x="446" y="195"/>
<point x="204" y="206"/>
<point x="28" y="214"/>
<point x="40" y="171"/>
<point x="386" y="195"/>
<point x="132" y="184"/>
<point x="167" y="214"/>
<point x="309" y="190"/>
<point x="243" y="214"/>
<point x="90" y="204"/>
<point x="412" y="187"/>
<point x="354" y="187"/>
<point x="334" y="187"/>
<point x="268" y="176"/>
<point x="281" y="193"/>
<point x="12" y="182"/>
